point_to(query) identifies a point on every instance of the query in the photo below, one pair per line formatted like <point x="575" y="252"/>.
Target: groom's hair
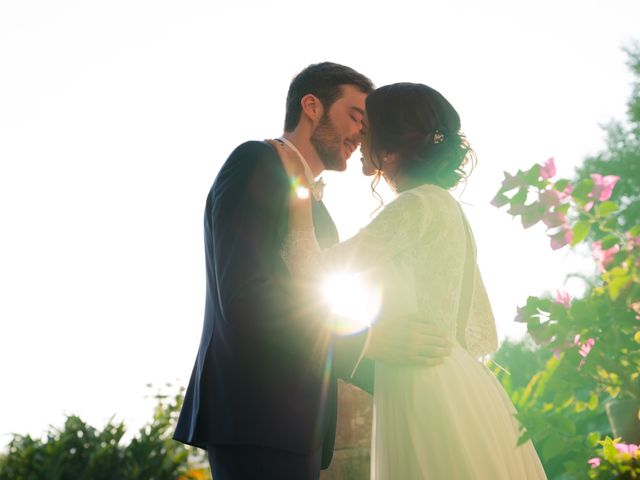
<point x="324" y="80"/>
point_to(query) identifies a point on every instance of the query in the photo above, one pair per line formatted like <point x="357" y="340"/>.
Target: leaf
<point x="499" y="200"/>
<point x="532" y="214"/>
<point x="617" y="284"/>
<point x="609" y="241"/>
<point x="563" y="396"/>
<point x="565" y="425"/>
<point x="580" y="407"/>
<point x="532" y="175"/>
<point x="580" y="231"/>
<point x="581" y="193"/>
<point x="609" y="450"/>
<point x="611" y="223"/>
<point x="613" y="391"/>
<point x="553" y="447"/>
<point x="520" y="197"/>
<point x="561" y="184"/>
<point x="593" y="438"/>
<point x="606" y="208"/>
<point x="526" y="436"/>
<point x="635" y="231"/>
<point x="636" y="337"/>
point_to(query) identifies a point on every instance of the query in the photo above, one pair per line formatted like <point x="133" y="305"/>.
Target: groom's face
<point x="337" y="134"/>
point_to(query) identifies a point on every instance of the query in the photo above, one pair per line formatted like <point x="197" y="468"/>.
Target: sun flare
<point x="354" y="302"/>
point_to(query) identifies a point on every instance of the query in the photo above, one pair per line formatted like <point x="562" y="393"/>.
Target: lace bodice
<point x="415" y="248"/>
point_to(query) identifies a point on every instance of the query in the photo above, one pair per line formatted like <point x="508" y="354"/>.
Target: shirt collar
<point x="307" y="170"/>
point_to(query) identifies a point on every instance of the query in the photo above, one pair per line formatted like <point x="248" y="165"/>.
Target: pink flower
<point x="624" y="448"/>
<point x="594" y="462"/>
<point x="632" y="242"/>
<point x="550" y="197"/>
<point x="560" y="239"/>
<point x="585" y="348"/>
<point x="603" y="186"/>
<point x="566" y="193"/>
<point x="548" y="170"/>
<point x="554" y="219"/>
<point x="563" y="298"/>
<point x="604" y="257"/>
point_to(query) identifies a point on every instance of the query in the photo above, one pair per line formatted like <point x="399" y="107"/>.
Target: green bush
<point x="589" y="346"/>
<point x="592" y="343"/>
<point x="79" y="451"/>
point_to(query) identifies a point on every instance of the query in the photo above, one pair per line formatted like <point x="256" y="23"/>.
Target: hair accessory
<point x="438" y="137"/>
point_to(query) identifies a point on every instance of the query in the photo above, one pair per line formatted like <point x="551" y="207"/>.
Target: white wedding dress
<point x="454" y="420"/>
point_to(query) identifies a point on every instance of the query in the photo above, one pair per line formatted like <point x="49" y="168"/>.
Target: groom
<point x="262" y="398"/>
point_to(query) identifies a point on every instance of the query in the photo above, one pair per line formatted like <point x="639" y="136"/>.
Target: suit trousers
<point x="243" y="462"/>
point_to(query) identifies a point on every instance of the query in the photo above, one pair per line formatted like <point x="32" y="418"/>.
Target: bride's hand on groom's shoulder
<point x="290" y="160"/>
<point x="408" y="342"/>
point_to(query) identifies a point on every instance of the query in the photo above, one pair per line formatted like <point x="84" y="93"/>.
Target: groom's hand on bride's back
<point x="408" y="342"/>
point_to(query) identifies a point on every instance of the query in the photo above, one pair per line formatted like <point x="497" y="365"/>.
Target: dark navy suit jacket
<point x="267" y="366"/>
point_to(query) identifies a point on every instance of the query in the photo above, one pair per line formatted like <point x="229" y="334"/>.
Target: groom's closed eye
<point x="357" y="114"/>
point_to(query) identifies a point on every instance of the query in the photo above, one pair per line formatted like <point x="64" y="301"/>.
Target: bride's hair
<point x="418" y="124"/>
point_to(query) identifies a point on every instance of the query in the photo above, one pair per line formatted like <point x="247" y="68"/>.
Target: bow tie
<point x="317" y="189"/>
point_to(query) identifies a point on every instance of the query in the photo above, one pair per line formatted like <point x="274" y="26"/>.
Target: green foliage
<point x="516" y="362"/>
<point x="616" y="461"/>
<point x="588" y="348"/>
<point x="621" y="156"/>
<point x="590" y="344"/>
<point x="80" y="451"/>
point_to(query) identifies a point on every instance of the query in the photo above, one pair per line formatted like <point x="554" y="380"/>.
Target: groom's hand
<point x="408" y="342"/>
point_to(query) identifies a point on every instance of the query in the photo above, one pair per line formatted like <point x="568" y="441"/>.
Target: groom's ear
<point x="312" y="107"/>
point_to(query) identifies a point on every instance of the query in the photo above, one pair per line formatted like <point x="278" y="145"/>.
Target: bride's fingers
<point x="429" y="333"/>
<point x="416" y="349"/>
<point x="430" y="328"/>
<point x="433" y="340"/>
<point x="432" y="362"/>
<point x="433" y="352"/>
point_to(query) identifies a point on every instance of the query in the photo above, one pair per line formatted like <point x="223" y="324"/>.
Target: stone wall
<point x="352" y="454"/>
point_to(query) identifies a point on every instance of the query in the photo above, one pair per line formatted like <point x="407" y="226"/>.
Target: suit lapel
<point x="326" y="231"/>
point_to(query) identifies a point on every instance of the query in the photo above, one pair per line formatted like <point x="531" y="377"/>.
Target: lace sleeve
<point x="480" y="334"/>
<point x="398" y="227"/>
<point x="395" y="229"/>
<point x="301" y="253"/>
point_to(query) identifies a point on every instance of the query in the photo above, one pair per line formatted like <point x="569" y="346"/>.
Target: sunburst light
<point x="354" y="302"/>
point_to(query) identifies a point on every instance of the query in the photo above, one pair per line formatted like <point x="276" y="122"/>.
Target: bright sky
<point x="116" y="116"/>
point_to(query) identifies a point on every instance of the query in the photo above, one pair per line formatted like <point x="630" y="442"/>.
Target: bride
<point x="454" y="420"/>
